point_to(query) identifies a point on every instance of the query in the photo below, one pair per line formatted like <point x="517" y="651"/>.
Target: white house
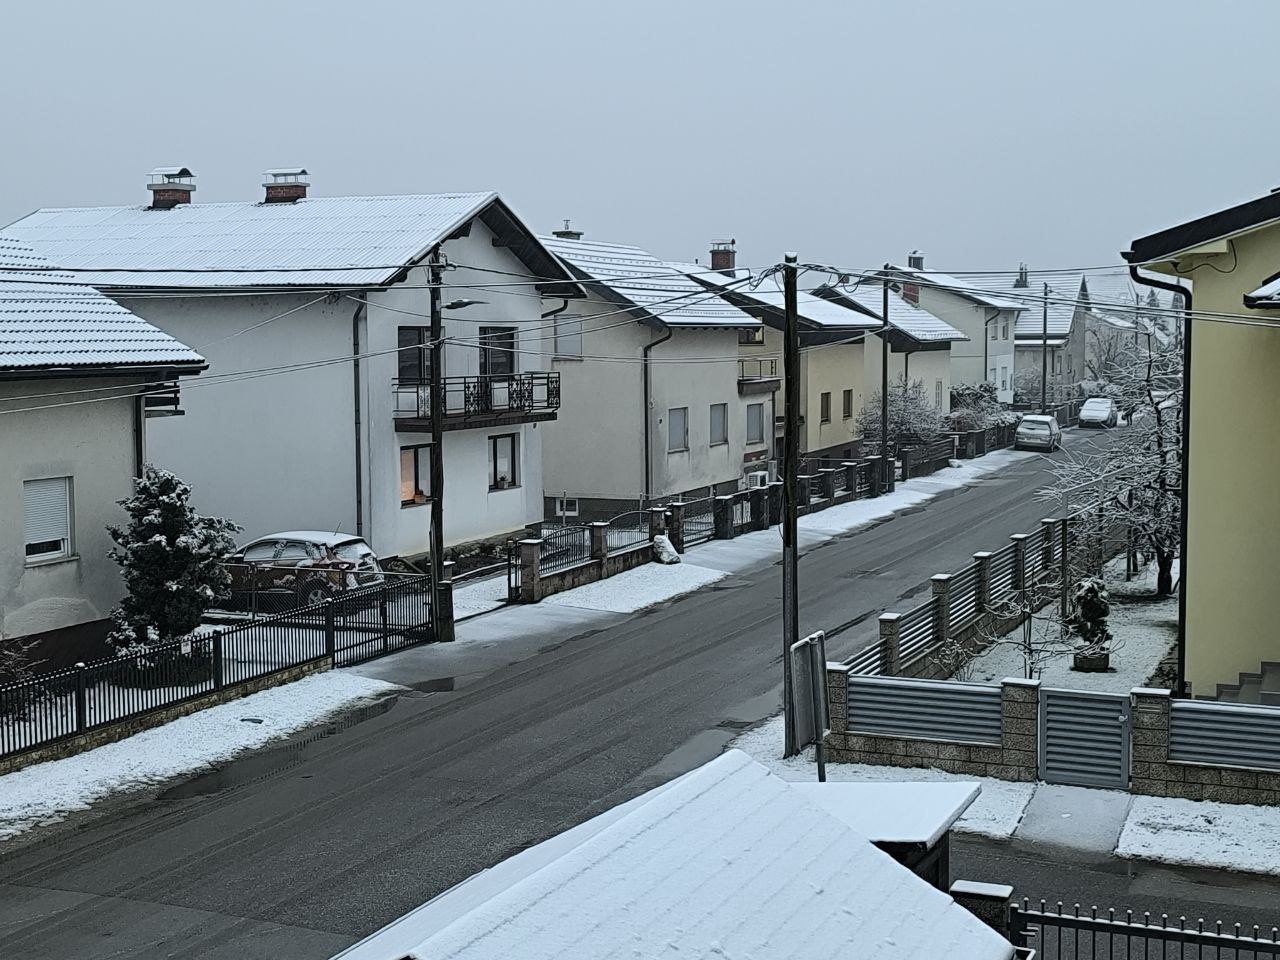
<point x="79" y="377"/>
<point x="725" y="861"/>
<point x="314" y="315"/>
<point x="649" y="366"/>
<point x="987" y="320"/>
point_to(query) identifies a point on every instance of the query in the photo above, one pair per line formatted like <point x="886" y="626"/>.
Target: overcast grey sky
<point x="982" y="132"/>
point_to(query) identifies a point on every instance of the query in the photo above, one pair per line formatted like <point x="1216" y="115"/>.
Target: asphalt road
<point x="301" y="849"/>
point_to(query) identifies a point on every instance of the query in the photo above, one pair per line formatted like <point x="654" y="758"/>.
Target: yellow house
<point x="1231" y="532"/>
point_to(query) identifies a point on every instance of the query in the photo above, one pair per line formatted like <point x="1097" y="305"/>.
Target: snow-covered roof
<point x="329" y="538"/>
<point x="969" y="289"/>
<point x="52" y="320"/>
<point x="888" y="812"/>
<point x="640" y="279"/>
<point x="812" y="309"/>
<point x="1266" y="296"/>
<point x="914" y="322"/>
<point x="1064" y="294"/>
<point x="726" y="861"/>
<point x="321" y="241"/>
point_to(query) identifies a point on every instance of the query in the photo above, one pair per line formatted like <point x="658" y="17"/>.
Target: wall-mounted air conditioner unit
<point x="758" y="478"/>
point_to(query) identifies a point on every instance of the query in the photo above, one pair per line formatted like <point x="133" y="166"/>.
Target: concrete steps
<point x="1261" y="688"/>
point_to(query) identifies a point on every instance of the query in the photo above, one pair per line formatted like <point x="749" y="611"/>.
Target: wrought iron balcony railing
<point x="479" y="401"/>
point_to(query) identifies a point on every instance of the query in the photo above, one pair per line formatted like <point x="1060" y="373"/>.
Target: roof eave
<point x="165" y="370"/>
<point x="1178" y="240"/>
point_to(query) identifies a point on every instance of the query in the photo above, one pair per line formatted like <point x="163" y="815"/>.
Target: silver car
<point x="1038" y="432"/>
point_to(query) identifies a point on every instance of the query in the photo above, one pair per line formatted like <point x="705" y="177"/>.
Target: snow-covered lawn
<point x="1226" y="836"/>
<point x="996" y="813"/>
<point x="479" y="597"/>
<point x="46" y="792"/>
<point x="638" y="588"/>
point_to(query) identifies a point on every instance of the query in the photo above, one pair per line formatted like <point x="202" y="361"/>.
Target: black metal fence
<point x="362" y="625"/>
<point x="627" y="530"/>
<point x="564" y="547"/>
<point x="699" y="520"/>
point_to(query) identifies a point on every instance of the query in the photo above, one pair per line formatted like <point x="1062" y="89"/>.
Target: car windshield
<point x="1034" y="424"/>
<point x="1097" y="406"/>
<point x="353" y="550"/>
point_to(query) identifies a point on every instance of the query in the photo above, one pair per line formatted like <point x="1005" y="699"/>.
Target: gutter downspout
<point x="1186" y="466"/>
<point x="986" y="341"/>
<point x="139" y="437"/>
<point x="648" y="472"/>
<point x="355" y="393"/>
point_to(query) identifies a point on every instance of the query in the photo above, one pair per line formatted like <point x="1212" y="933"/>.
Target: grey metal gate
<point x="1084" y="738"/>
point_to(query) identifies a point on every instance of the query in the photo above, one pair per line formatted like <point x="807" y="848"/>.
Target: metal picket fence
<point x="564" y="547"/>
<point x="699" y="520"/>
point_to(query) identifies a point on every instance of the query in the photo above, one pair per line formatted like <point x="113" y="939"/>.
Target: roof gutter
<point x="648" y="389"/>
<point x="1186" y="465"/>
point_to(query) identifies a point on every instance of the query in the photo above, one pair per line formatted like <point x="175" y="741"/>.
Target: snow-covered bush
<point x="1090" y="608"/>
<point x="974" y="407"/>
<point x="912" y="415"/>
<point x="171" y="560"/>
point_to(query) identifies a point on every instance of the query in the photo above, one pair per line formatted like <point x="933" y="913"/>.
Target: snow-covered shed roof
<point x="727" y="860"/>
<point x="867" y="297"/>
<point x="51" y="320"/>
<point x="812" y="310"/>
<point x="973" y="290"/>
<point x="319" y="241"/>
<point x="634" y="277"/>
<point x="1265" y="297"/>
<point x="894" y="812"/>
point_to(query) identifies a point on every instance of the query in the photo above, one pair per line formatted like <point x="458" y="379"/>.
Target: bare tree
<point x="912" y="415"/>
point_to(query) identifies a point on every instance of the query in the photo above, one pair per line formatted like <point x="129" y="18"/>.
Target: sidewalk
<point x="1223" y="836"/>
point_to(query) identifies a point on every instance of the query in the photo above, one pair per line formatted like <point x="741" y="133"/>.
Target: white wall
<point x="93" y="444"/>
<point x="930" y="366"/>
<point x="967" y="357"/>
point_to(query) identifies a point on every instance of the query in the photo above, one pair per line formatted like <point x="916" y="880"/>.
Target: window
<point x="568" y="337"/>
<point x="566" y="506"/>
<point x="1004" y="378"/>
<point x="1004" y="330"/>
<point x="415" y="474"/>
<point x="937" y="394"/>
<point x="755" y="423"/>
<point x="751" y="336"/>
<point x="677" y="429"/>
<point x="294" y="550"/>
<point x="415" y="364"/>
<point x="497" y="351"/>
<point x="261" y="552"/>
<point x="47" y="508"/>
<point x="992" y="328"/>
<point x="824" y="407"/>
<point x="719" y="423"/>
<point x="504" y="457"/>
<point x="846" y="404"/>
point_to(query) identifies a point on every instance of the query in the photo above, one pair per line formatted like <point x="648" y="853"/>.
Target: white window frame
<point x="937" y="394"/>
<point x="753" y="437"/>
<point x="678" y="441"/>
<point x="50" y="528"/>
<point x="563" y="508"/>
<point x="723" y="437"/>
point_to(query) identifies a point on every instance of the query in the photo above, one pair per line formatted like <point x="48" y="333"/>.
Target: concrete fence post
<point x="444" y="612"/>
<point x="1019" y="560"/>
<point x="802" y="489"/>
<point x="837" y="697"/>
<point x="599" y="539"/>
<point x="827" y="477"/>
<point x="675" y="525"/>
<point x="982" y="589"/>
<point x="775" y="503"/>
<point x="850" y="468"/>
<point x="1049" y="531"/>
<point x="722" y="517"/>
<point x="657" y="521"/>
<point x="890" y="645"/>
<point x="989" y="902"/>
<point x="905" y="456"/>
<point x="1020" y="728"/>
<point x="758" y="498"/>
<point x="941" y="584"/>
<point x="531" y="570"/>
<point x="876" y="472"/>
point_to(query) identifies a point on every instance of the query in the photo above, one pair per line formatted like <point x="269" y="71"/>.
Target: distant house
<point x="652" y="407"/>
<point x="79" y="377"/>
<point x="314" y="314"/>
<point x="920" y="343"/>
<point x="725" y="861"/>
<point x="1231" y="545"/>
<point x="832" y="358"/>
<point x="988" y="320"/>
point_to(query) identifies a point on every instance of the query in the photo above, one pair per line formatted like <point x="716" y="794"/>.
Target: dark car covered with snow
<point x="308" y="565"/>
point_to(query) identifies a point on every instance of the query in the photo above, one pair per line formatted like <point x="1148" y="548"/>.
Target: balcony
<point x="475" y="402"/>
<point x="756" y="376"/>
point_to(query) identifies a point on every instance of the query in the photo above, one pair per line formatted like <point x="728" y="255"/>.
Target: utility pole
<point x="790" y="499"/>
<point x="1044" y="352"/>
<point x="886" y="462"/>
<point x="436" y="398"/>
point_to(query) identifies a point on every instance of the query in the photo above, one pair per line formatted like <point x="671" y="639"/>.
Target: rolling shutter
<point x="47" y="506"/>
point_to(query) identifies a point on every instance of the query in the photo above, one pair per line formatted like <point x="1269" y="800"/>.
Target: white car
<point x="1038" y="432"/>
<point x="1099" y="412"/>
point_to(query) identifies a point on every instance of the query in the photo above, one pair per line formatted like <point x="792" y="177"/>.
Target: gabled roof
<point x="867" y="297"/>
<point x="321" y="241"/>
<point x="658" y="291"/>
<point x="1164" y="244"/>
<point x="971" y="290"/>
<point x="1065" y="293"/>
<point x="725" y="861"/>
<point x="51" y="321"/>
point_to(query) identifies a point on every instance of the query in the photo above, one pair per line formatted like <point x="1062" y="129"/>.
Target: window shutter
<point x="48" y="510"/>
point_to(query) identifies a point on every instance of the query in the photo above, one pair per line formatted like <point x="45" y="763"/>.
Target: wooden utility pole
<point x="436" y="398"/>
<point x="1044" y="352"/>
<point x="886" y="462"/>
<point x="790" y="499"/>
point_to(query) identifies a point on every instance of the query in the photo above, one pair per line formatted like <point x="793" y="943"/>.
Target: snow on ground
<point x="46" y="792"/>
<point x="638" y="588"/>
<point x="479" y="597"/>
<point x="996" y="813"/>
<point x="1225" y="836"/>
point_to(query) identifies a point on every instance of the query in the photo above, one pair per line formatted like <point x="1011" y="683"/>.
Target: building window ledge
<point x="52" y="561"/>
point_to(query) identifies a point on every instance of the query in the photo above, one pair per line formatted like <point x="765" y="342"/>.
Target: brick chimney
<point x="724" y="255"/>
<point x="170" y="186"/>
<point x="567" y="233"/>
<point x="285" y="185"/>
<point x="1023" y="281"/>
<point x="915" y="260"/>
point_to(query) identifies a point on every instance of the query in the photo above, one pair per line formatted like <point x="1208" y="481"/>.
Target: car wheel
<point x="316" y="591"/>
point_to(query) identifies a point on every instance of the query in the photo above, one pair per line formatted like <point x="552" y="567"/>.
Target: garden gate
<point x="1084" y="738"/>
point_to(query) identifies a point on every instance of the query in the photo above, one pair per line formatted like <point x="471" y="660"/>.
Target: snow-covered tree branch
<point x="912" y="415"/>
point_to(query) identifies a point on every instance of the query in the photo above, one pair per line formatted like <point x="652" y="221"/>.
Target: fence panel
<point x="964" y="599"/>
<point x="867" y="661"/>
<point x="1003" y="562"/>
<point x="628" y="530"/>
<point x="563" y="548"/>
<point x="916" y="633"/>
<point x="863" y="486"/>
<point x="1224" y="734"/>
<point x="934" y="709"/>
<point x="38" y="710"/>
<point x="118" y="688"/>
<point x="699" y="522"/>
<point x="741" y="514"/>
<point x="1033" y="557"/>
<point x="382" y="620"/>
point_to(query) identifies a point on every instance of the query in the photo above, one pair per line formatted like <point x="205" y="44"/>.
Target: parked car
<point x="311" y="565"/>
<point x="1099" y="412"/>
<point x="1039" y="432"/>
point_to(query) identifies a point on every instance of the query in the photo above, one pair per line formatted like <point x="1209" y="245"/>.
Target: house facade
<point x="987" y="320"/>
<point x="1232" y="515"/>
<point x="80" y="379"/>
<point x="314" y="315"/>
<point x="651" y="406"/>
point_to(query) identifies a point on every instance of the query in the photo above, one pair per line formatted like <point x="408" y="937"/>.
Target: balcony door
<point x="497" y="351"/>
